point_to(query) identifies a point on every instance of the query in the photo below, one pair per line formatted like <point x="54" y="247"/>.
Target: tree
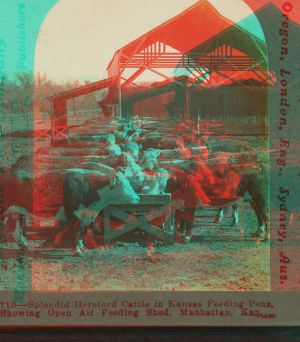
<point x="24" y="90"/>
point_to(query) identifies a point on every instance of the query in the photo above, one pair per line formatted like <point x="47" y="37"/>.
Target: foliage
<point x="33" y="90"/>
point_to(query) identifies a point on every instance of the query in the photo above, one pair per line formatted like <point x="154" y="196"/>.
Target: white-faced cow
<point x="85" y="194"/>
<point x="113" y="149"/>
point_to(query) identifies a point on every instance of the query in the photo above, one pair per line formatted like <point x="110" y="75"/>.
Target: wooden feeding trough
<point x="152" y="215"/>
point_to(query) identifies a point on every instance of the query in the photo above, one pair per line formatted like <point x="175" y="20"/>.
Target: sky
<point x="78" y="38"/>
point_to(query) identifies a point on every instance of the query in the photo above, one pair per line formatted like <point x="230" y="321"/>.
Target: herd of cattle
<point x="135" y="164"/>
<point x="183" y="166"/>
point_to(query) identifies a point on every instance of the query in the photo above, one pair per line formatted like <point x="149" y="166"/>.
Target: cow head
<point x="113" y="183"/>
<point x="133" y="149"/>
<point x="111" y="139"/>
<point x="180" y="142"/>
<point x="162" y="178"/>
<point x="150" y="157"/>
<point x="122" y="190"/>
<point x="223" y="157"/>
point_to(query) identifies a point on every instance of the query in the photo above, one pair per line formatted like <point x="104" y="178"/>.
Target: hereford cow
<point x="187" y="195"/>
<point x="85" y="194"/>
<point x="255" y="181"/>
<point x="253" y="178"/>
<point x="113" y="149"/>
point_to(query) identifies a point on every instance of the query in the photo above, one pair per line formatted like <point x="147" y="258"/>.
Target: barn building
<point x="221" y="71"/>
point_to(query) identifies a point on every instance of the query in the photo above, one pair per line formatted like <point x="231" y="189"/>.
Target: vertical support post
<point x="198" y="121"/>
<point x="186" y="90"/>
<point x="60" y="118"/>
<point x="120" y="96"/>
<point x="52" y="119"/>
<point x="119" y="86"/>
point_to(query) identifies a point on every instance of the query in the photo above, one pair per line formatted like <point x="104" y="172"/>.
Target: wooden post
<point x="52" y="120"/>
<point x="186" y="89"/>
<point x="120" y="97"/>
<point x="119" y="85"/>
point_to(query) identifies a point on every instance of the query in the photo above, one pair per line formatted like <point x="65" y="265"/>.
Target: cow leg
<point x="67" y="236"/>
<point x="186" y="230"/>
<point x="243" y="187"/>
<point x="78" y="239"/>
<point x="180" y="228"/>
<point x="81" y="245"/>
<point x="235" y="216"/>
<point x="267" y="231"/>
<point x="261" y="231"/>
<point x="260" y="211"/>
<point x="220" y="215"/>
<point x="177" y="226"/>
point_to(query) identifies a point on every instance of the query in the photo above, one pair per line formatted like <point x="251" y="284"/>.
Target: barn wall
<point x="237" y="108"/>
<point x="60" y="113"/>
<point x="153" y="106"/>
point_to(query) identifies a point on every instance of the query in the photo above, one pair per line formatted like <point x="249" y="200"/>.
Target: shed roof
<point x="237" y="38"/>
<point x="85" y="89"/>
<point x="183" y="32"/>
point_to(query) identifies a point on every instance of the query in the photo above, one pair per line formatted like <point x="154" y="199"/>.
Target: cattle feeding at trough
<point x="85" y="194"/>
<point x="187" y="196"/>
<point x="154" y="163"/>
<point x="218" y="173"/>
<point x="113" y="149"/>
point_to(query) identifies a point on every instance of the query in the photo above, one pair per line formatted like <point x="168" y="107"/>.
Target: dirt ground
<point x="212" y="265"/>
<point x="209" y="266"/>
<point x="219" y="259"/>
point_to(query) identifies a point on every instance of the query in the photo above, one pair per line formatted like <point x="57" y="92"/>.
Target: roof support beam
<point x="196" y="77"/>
<point x="251" y="68"/>
<point x="135" y="51"/>
<point x="200" y="80"/>
<point x="156" y="72"/>
<point x="125" y="79"/>
<point x="273" y="74"/>
<point x="268" y="78"/>
<point x="228" y="77"/>
<point x="263" y="79"/>
<point x="133" y="77"/>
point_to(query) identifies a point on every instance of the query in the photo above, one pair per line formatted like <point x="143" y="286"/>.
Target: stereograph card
<point x="149" y="163"/>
